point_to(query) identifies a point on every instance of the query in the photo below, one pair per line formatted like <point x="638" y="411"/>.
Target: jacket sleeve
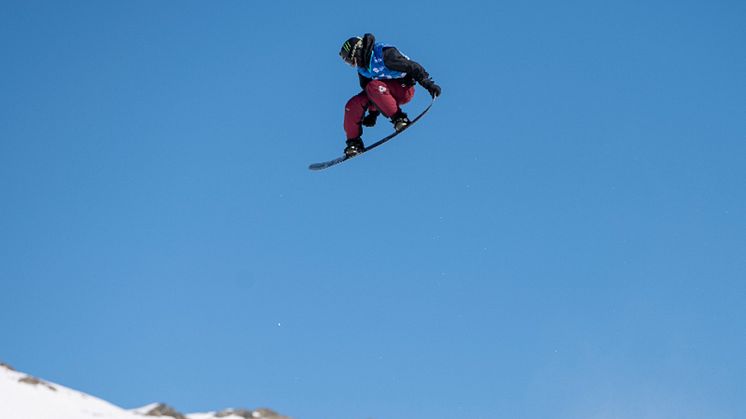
<point x="398" y="62"/>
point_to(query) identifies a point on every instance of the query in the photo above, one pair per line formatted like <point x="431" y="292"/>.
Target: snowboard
<point x="330" y="163"/>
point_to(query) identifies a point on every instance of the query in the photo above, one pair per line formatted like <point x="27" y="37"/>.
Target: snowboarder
<point x="387" y="77"/>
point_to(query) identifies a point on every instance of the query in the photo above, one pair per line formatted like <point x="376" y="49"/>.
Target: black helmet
<point x="350" y="48"/>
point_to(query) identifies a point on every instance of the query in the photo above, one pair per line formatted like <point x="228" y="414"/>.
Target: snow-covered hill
<point x="26" y="397"/>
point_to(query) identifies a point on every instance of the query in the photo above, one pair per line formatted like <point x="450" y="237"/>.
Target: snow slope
<point x="26" y="397"/>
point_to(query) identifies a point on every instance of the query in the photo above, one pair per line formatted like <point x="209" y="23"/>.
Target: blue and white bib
<point x="376" y="69"/>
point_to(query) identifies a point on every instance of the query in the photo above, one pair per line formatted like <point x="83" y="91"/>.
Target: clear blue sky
<point x="563" y="235"/>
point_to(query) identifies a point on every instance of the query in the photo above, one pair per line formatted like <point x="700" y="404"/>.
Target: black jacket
<point x="394" y="60"/>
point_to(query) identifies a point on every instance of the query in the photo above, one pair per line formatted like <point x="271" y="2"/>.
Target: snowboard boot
<point x="400" y="120"/>
<point x="354" y="147"/>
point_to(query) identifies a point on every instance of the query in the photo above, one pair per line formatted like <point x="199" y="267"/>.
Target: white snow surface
<point x="22" y="400"/>
<point x="25" y="397"/>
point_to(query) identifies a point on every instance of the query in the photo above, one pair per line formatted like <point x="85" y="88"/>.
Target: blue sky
<point x="563" y="235"/>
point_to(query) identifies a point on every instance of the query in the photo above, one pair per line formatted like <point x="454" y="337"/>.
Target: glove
<point x="431" y="87"/>
<point x="370" y="119"/>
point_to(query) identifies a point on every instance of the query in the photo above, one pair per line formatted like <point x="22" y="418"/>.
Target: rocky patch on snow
<point x="250" y="414"/>
<point x="163" y="410"/>
<point x="36" y="382"/>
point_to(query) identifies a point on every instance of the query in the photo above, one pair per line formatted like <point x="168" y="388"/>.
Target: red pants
<point x="382" y="95"/>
